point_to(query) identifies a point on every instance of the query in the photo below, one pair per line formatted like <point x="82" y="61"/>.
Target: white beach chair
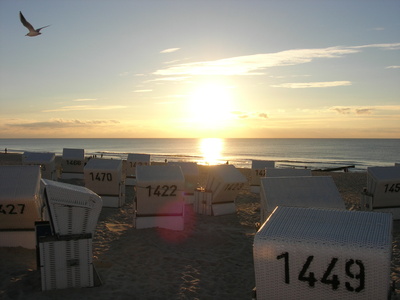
<point x="258" y="171"/>
<point x="383" y="191"/>
<point x="72" y="209"/>
<point x="21" y="204"/>
<point x="159" y="197"/>
<point x="307" y="191"/>
<point x="65" y="250"/>
<point x="315" y="253"/>
<point x="191" y="172"/>
<point x="45" y="160"/>
<point x="104" y="177"/>
<point x="224" y="182"/>
<point x="132" y="162"/>
<point x="72" y="163"/>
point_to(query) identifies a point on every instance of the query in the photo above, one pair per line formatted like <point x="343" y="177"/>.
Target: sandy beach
<point x="210" y="259"/>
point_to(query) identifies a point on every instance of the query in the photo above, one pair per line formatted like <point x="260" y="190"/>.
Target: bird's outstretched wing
<point x="26" y="23"/>
<point x="37" y="30"/>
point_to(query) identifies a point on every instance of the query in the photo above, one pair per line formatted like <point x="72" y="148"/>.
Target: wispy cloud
<point x="393" y="67"/>
<point x="250" y="115"/>
<point x="169" y="50"/>
<point x="364" y="110"/>
<point x="62" y="123"/>
<point x="84" y="107"/>
<point x="303" y="85"/>
<point x="256" y="64"/>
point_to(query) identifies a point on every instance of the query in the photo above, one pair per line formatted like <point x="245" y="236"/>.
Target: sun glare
<point x="211" y="104"/>
<point x="211" y="149"/>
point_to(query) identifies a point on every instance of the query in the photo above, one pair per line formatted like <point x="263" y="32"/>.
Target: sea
<point x="293" y="153"/>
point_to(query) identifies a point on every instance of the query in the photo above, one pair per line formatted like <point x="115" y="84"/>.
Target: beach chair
<point x="132" y="162"/>
<point x="104" y="177"/>
<point x="286" y="172"/>
<point x="159" y="197"/>
<point x="316" y="253"/>
<point x="45" y="160"/>
<point x="21" y="204"/>
<point x="383" y="191"/>
<point x="224" y="183"/>
<point x="258" y="171"/>
<point x="191" y="173"/>
<point x="304" y="191"/>
<point x="72" y="163"/>
<point x="65" y="255"/>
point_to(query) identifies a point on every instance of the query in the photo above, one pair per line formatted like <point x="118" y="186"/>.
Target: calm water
<point x="311" y="153"/>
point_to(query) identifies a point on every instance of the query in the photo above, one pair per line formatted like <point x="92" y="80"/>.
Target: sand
<point x="211" y="259"/>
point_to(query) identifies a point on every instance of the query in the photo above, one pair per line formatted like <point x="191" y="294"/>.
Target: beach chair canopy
<point x="191" y="173"/>
<point x="307" y="191"/>
<point x="70" y="153"/>
<point x="159" y="190"/>
<point x="73" y="209"/>
<point x="103" y="176"/>
<point x="221" y="175"/>
<point x="315" y="253"/>
<point x="258" y="170"/>
<point x="384" y="184"/>
<point x="38" y="158"/>
<point x="262" y="164"/>
<point x="134" y="160"/>
<point x="20" y="199"/>
<point x="225" y="182"/>
<point x="73" y="160"/>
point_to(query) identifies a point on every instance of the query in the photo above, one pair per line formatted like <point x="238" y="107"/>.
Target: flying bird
<point x="32" y="31"/>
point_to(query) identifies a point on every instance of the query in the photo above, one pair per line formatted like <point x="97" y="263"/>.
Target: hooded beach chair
<point x="224" y="183"/>
<point x="258" y="171"/>
<point x="21" y="205"/>
<point x="303" y="191"/>
<point x="132" y="162"/>
<point x="65" y="242"/>
<point x="45" y="160"/>
<point x="320" y="253"/>
<point x="104" y="177"/>
<point x="383" y="190"/>
<point x="191" y="173"/>
<point x="159" y="197"/>
<point x="72" y="163"/>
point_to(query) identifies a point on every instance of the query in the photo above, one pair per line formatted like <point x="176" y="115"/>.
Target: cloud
<point x="250" y="115"/>
<point x="364" y="110"/>
<point x="342" y="110"/>
<point x="61" y="123"/>
<point x="393" y="67"/>
<point x="256" y="64"/>
<point x="303" y="85"/>
<point x="84" y="107"/>
<point x="169" y="50"/>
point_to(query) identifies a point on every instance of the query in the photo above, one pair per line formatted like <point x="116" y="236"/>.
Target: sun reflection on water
<point x="211" y="149"/>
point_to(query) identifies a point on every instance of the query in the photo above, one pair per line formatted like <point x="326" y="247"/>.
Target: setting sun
<point x="211" y="104"/>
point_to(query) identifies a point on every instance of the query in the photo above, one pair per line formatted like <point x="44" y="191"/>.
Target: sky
<point x="198" y="69"/>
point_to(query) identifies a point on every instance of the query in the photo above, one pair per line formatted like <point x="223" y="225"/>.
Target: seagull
<point x="32" y="31"/>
